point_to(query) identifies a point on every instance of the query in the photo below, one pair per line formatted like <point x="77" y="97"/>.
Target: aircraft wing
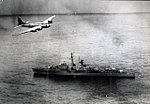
<point x="28" y="30"/>
<point x="49" y="19"/>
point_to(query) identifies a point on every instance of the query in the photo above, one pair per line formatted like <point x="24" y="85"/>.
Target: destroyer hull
<point x="84" y="74"/>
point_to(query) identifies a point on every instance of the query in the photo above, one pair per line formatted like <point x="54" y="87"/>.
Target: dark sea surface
<point x="118" y="40"/>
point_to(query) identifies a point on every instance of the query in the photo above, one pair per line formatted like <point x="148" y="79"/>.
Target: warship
<point x="82" y="69"/>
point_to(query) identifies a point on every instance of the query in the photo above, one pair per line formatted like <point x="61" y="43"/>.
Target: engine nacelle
<point x="50" y="21"/>
<point x="48" y="25"/>
<point x="40" y="28"/>
<point x="33" y="30"/>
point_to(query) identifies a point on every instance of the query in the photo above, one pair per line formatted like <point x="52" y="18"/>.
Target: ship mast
<point x="72" y="61"/>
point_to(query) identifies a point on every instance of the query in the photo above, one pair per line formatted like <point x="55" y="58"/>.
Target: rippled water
<point x="117" y="40"/>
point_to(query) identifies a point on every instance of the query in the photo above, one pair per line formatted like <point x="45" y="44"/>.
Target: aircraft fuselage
<point x="30" y="25"/>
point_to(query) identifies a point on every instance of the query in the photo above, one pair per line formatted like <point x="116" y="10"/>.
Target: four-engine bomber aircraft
<point x="34" y="27"/>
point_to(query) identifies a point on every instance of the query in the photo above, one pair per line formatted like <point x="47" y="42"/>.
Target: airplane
<point x="30" y="25"/>
<point x="34" y="27"/>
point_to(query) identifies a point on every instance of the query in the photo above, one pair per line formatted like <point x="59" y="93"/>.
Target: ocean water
<point x="118" y="40"/>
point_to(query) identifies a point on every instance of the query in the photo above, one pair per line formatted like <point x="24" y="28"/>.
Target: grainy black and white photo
<point x="74" y="52"/>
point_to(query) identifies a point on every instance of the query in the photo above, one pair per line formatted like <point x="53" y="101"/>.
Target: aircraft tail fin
<point x="20" y="21"/>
